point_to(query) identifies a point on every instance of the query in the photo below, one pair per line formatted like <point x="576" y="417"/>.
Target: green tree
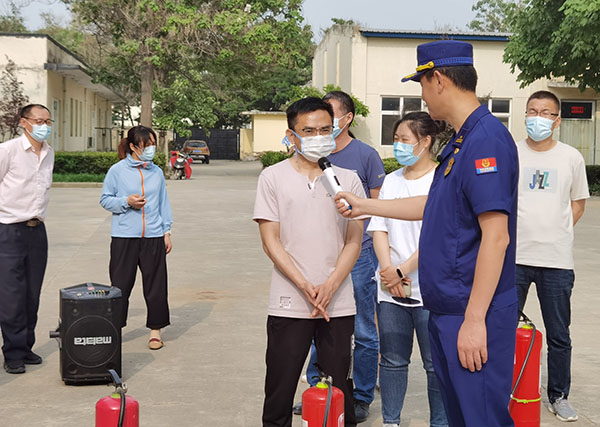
<point x="69" y="35"/>
<point x="360" y="108"/>
<point x="494" y="15"/>
<point x="205" y="60"/>
<point x="557" y="38"/>
<point x="12" y="21"/>
<point x="12" y="99"/>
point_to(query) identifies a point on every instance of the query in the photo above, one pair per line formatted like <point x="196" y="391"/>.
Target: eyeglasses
<point x="325" y="130"/>
<point x="547" y="114"/>
<point x="40" y="122"/>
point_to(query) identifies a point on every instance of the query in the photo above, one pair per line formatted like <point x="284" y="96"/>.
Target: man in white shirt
<point x="26" y="165"/>
<point x="552" y="192"/>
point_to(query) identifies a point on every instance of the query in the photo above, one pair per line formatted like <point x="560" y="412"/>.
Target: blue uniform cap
<point x="442" y="53"/>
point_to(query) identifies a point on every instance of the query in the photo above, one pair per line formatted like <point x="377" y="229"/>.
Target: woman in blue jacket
<point x="134" y="191"/>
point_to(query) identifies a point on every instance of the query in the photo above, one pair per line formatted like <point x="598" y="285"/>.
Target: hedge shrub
<point x="593" y="177"/>
<point x="91" y="162"/>
<point x="269" y="158"/>
<point x="390" y="165"/>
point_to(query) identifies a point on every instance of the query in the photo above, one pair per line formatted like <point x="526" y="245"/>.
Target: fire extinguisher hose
<point x="122" y="408"/>
<point x="120" y="388"/>
<point x="530" y="323"/>
<point x="328" y="404"/>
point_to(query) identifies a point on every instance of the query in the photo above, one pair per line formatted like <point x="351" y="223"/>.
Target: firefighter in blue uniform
<point x="467" y="244"/>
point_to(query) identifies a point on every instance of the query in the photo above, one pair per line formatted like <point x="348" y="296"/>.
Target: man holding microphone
<point x="467" y="243"/>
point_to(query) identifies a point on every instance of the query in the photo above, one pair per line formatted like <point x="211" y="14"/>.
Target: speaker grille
<point x="93" y="341"/>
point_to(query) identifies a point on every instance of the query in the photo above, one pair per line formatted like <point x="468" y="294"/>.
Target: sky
<point x="380" y="14"/>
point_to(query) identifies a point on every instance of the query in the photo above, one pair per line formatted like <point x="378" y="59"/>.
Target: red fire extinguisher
<point x="526" y="395"/>
<point x="117" y="409"/>
<point x="323" y="404"/>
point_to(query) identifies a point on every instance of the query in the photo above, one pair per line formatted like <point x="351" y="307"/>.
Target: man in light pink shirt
<point x="26" y="165"/>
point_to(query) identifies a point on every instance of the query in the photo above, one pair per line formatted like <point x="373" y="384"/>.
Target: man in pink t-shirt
<point x="313" y="249"/>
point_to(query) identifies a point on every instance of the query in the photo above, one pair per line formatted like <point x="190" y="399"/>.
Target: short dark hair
<point x="544" y="94"/>
<point x="304" y="106"/>
<point x="343" y="98"/>
<point x="24" y="112"/>
<point x="464" y="77"/>
<point x="422" y="125"/>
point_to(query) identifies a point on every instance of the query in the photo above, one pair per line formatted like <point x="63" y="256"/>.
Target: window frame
<point x="398" y="112"/>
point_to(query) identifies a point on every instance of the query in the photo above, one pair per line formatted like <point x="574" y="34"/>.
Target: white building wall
<point x="77" y="111"/>
<point x="372" y="68"/>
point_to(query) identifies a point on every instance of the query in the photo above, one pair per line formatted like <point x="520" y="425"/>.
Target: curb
<point x="76" y="185"/>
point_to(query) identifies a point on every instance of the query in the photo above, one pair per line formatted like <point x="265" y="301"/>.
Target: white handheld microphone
<point x="332" y="184"/>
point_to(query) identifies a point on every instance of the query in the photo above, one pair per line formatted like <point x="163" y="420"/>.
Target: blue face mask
<point x="40" y="132"/>
<point x="539" y="128"/>
<point x="148" y="153"/>
<point x="336" y="126"/>
<point x="404" y="153"/>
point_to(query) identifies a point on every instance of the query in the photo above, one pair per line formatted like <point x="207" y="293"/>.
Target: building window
<point x="392" y="108"/>
<point x="71" y="121"/>
<point x="81" y="113"/>
<point x="500" y="108"/>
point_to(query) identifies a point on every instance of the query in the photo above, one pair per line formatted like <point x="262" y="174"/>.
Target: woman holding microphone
<point x="134" y="191"/>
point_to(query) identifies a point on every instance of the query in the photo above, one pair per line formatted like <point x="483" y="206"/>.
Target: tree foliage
<point x="12" y="98"/>
<point x="557" y="38"/>
<point x="12" y="20"/>
<point x="494" y="15"/>
<point x="360" y="108"/>
<point x="210" y="59"/>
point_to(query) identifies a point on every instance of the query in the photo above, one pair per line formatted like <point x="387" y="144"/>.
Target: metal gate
<point x="224" y="144"/>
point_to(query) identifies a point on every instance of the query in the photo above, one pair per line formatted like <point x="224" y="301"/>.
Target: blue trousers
<point x="480" y="398"/>
<point x="397" y="328"/>
<point x="553" y="286"/>
<point x="366" y="350"/>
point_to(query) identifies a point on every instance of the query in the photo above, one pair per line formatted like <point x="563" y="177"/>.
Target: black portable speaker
<point x="89" y="333"/>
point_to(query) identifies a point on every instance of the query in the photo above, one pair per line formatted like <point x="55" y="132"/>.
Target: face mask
<point x="40" y="132"/>
<point x="336" y="126"/>
<point x="148" y="153"/>
<point x="539" y="128"/>
<point x="315" y="147"/>
<point x="404" y="153"/>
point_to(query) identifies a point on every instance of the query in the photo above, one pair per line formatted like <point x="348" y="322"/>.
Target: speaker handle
<point x="55" y="333"/>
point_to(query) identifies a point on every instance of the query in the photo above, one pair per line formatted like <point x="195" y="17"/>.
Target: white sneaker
<point x="391" y="425"/>
<point x="304" y="379"/>
<point x="563" y="410"/>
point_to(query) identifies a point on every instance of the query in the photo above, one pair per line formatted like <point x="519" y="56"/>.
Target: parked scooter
<point x="181" y="165"/>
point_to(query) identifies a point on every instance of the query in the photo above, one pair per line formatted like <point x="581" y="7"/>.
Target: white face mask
<point x="315" y="147"/>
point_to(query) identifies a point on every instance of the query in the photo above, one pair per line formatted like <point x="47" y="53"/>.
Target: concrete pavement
<point x="211" y="371"/>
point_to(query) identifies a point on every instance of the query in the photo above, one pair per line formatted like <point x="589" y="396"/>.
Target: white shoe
<point x="391" y="425"/>
<point x="563" y="410"/>
<point x="304" y="379"/>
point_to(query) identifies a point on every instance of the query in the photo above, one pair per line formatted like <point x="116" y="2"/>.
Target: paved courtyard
<point x="211" y="371"/>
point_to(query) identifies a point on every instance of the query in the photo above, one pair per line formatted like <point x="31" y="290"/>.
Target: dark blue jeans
<point x="366" y="342"/>
<point x="553" y="286"/>
<point x="397" y="328"/>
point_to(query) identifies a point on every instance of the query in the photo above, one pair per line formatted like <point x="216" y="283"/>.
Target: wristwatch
<point x="399" y="272"/>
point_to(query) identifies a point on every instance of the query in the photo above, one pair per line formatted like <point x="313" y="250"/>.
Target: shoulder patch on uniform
<point x="486" y="165"/>
<point x="381" y="175"/>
